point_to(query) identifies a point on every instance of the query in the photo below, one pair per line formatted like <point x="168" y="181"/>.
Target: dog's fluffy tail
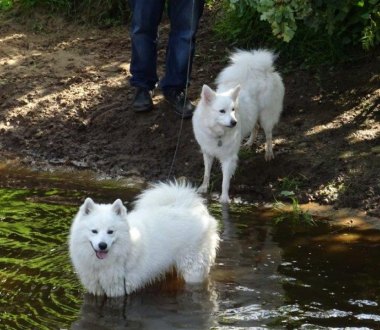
<point x="244" y="62"/>
<point x="179" y="194"/>
<point x="260" y="59"/>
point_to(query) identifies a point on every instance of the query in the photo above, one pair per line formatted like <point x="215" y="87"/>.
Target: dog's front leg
<point x="208" y="160"/>
<point x="228" y="169"/>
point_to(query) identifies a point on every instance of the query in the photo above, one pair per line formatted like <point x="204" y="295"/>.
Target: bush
<point x="5" y="4"/>
<point x="300" y="24"/>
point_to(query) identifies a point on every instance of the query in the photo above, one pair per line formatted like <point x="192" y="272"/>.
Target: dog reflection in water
<point x="165" y="304"/>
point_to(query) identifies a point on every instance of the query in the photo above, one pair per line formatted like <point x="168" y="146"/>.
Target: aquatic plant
<point x="296" y="216"/>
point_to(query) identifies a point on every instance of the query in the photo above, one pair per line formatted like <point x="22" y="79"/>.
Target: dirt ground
<point x="65" y="103"/>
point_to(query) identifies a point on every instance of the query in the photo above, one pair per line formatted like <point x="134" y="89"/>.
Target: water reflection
<point x="329" y="273"/>
<point x="183" y="308"/>
<point x="248" y="289"/>
<point x="266" y="276"/>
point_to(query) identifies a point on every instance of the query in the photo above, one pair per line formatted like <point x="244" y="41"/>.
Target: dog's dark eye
<point x="233" y="109"/>
<point x="110" y="232"/>
<point x="94" y="231"/>
<point x="222" y="111"/>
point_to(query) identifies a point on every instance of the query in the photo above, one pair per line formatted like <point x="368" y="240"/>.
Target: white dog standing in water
<point x="115" y="253"/>
<point x="249" y="90"/>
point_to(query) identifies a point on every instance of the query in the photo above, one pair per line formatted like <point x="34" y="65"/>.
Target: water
<point x="266" y="276"/>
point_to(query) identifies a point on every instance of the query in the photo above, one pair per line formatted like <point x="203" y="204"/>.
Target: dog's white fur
<point x="249" y="91"/>
<point x="169" y="227"/>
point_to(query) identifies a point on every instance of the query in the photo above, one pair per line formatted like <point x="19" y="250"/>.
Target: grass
<point x="296" y="216"/>
<point x="289" y="184"/>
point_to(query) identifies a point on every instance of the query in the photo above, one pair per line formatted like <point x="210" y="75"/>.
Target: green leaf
<point x="360" y="3"/>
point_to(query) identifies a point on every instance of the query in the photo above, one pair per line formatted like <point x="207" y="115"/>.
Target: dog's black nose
<point x="233" y="122"/>
<point x="102" y="246"/>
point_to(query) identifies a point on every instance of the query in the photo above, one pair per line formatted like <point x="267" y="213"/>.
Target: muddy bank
<point x="65" y="103"/>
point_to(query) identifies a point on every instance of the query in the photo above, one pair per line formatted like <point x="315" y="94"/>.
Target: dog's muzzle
<point x="101" y="252"/>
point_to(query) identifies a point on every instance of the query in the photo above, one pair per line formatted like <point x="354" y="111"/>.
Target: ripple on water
<point x="263" y="276"/>
<point x="363" y="302"/>
<point x="37" y="282"/>
<point x="372" y="317"/>
<point x="249" y="313"/>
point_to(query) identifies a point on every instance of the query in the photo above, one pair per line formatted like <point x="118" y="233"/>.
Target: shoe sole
<point x="184" y="116"/>
<point x="142" y="109"/>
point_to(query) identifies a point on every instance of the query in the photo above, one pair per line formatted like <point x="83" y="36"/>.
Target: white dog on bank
<point x="115" y="253"/>
<point x="249" y="91"/>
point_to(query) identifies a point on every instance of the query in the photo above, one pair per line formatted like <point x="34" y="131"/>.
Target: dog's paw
<point x="224" y="199"/>
<point x="269" y="156"/>
<point x="248" y="144"/>
<point x="202" y="189"/>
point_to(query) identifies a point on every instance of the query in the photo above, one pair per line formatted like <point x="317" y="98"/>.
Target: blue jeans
<point x="184" y="17"/>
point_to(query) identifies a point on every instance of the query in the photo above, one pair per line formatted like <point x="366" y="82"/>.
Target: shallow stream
<point x="266" y="276"/>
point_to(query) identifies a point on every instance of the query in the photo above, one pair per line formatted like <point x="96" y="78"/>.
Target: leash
<point x="185" y="99"/>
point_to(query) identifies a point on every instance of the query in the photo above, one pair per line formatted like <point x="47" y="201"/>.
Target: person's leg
<point x="146" y="16"/>
<point x="184" y="17"/>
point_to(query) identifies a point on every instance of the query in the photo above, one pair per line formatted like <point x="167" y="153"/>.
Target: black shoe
<point x="181" y="106"/>
<point x="142" y="101"/>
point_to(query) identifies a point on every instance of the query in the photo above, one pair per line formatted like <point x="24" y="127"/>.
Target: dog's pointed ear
<point x="208" y="95"/>
<point x="119" y="208"/>
<point x="235" y="92"/>
<point x="87" y="206"/>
